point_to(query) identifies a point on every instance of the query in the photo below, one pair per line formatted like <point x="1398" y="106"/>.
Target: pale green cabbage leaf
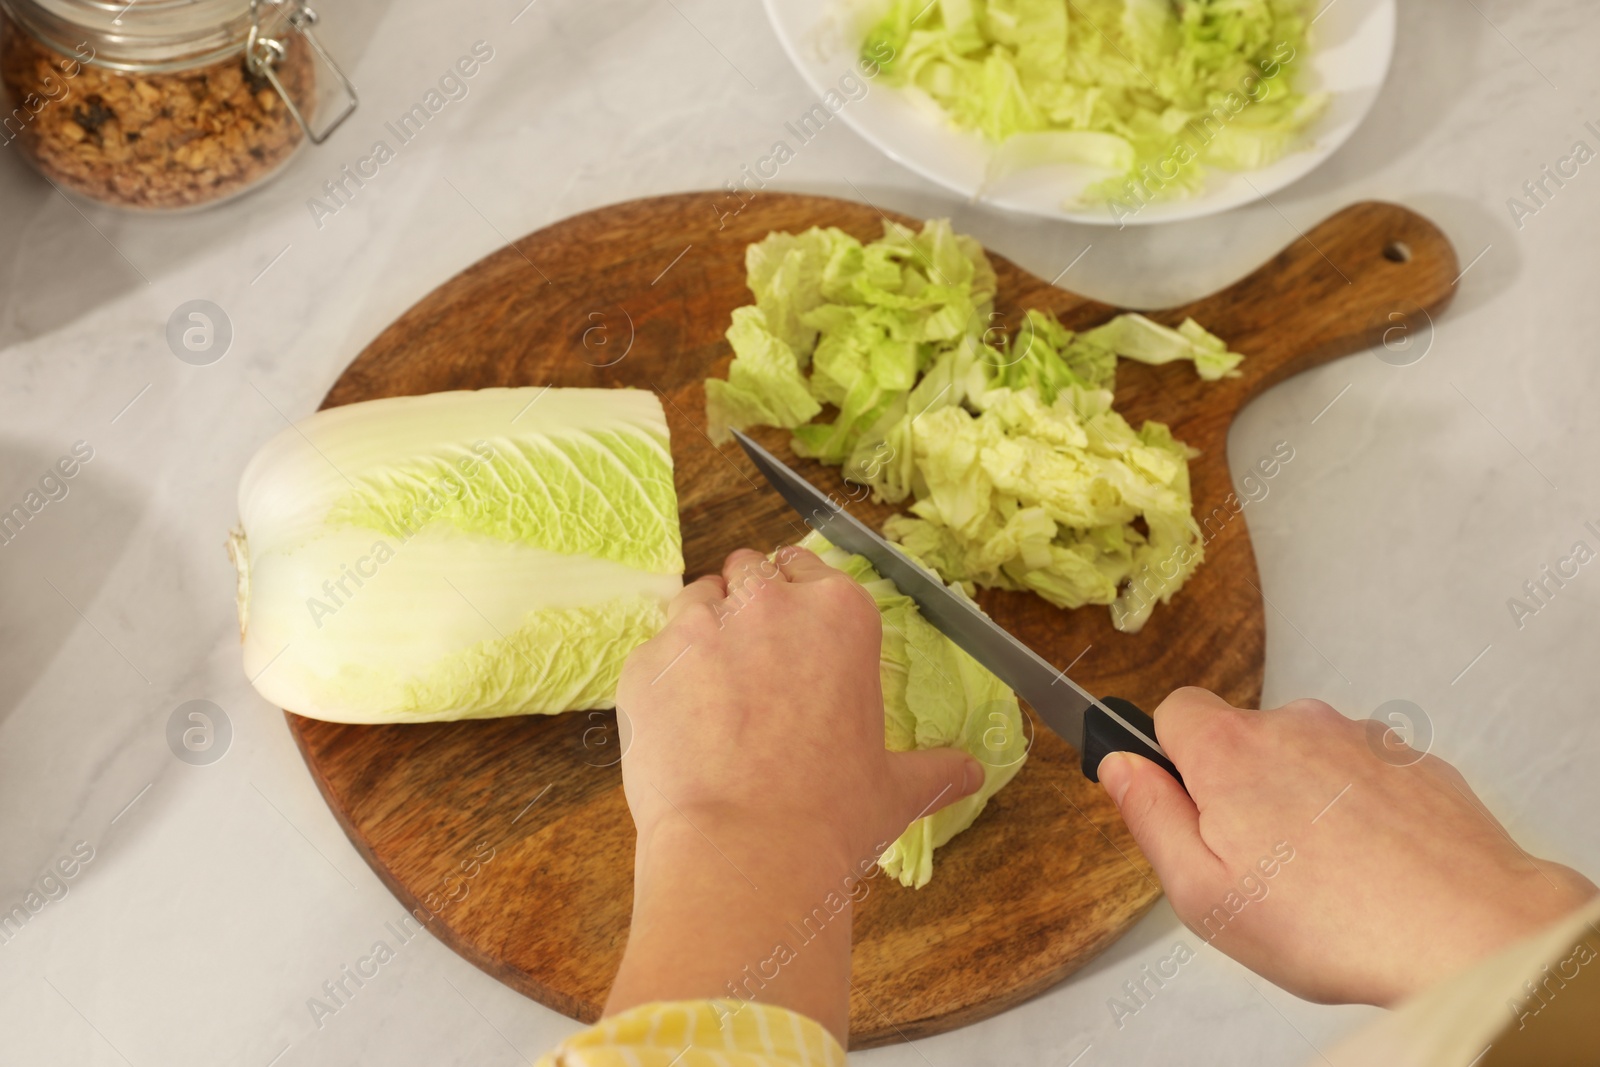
<point x="934" y="696"/>
<point x="1133" y="336"/>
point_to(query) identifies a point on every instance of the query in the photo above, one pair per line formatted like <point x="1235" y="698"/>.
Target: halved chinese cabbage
<point x="457" y="555"/>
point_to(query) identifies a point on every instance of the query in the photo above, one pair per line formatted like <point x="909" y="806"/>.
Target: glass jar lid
<point x="143" y="35"/>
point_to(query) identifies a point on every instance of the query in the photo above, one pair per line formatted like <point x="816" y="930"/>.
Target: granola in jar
<point x="165" y="133"/>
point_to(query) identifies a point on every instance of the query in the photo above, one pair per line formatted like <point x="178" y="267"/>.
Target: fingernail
<point x="1116" y="775"/>
<point x="974" y="778"/>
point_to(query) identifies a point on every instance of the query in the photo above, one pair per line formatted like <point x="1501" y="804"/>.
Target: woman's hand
<point x="760" y="787"/>
<point x="1334" y="873"/>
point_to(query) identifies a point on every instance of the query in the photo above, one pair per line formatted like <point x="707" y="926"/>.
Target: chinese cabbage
<point x="457" y="555"/>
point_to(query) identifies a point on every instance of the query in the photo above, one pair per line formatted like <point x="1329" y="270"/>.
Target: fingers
<point x="1165" y="823"/>
<point x="928" y="780"/>
<point x="802" y="565"/>
<point x="707" y="589"/>
<point x="746" y="570"/>
<point x="1185" y="718"/>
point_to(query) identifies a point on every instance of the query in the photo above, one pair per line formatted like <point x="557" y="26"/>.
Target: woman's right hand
<point x="1337" y="874"/>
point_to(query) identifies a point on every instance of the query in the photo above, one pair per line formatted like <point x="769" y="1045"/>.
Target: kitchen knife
<point x="1094" y="727"/>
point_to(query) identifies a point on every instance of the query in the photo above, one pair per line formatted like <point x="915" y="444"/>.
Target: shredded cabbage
<point x="1150" y="91"/>
<point x="866" y="319"/>
<point x="934" y="696"/>
<point x="1026" y="495"/>
<point x="1023" y="475"/>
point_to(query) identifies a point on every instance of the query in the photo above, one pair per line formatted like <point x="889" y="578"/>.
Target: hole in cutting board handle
<point x="1397" y="252"/>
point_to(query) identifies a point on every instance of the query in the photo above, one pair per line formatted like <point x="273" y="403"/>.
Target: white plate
<point x="1351" y="45"/>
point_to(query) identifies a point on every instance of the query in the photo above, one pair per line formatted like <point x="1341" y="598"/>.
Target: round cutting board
<point x="511" y="838"/>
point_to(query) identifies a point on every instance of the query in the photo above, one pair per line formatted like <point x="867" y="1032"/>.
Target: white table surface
<point x="221" y="897"/>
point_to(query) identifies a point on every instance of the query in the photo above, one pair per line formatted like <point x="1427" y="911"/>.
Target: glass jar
<point x="161" y="104"/>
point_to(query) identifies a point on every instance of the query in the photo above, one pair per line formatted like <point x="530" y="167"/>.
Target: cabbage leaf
<point x="934" y="696"/>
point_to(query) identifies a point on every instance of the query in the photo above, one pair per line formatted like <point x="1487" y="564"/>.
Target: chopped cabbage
<point x="1149" y="91"/>
<point x="1023" y="475"/>
<point x="1043" y="497"/>
<point x="1135" y="337"/>
<point x="866" y="318"/>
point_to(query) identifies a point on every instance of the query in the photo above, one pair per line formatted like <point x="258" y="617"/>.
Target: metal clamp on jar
<point x="162" y="104"/>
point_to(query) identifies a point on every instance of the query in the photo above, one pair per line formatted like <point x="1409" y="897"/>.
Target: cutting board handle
<point x="1374" y="274"/>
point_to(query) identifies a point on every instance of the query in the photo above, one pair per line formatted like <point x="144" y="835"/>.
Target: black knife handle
<point x="1103" y="735"/>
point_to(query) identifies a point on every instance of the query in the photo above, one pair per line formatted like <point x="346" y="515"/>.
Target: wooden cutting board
<point x="513" y="834"/>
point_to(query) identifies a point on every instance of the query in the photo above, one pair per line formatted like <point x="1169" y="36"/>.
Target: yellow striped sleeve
<point x="700" y="1033"/>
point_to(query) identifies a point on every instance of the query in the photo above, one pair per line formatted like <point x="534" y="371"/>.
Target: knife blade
<point x="1093" y="726"/>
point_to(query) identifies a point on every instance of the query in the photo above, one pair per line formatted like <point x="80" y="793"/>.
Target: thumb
<point x="929" y="779"/>
<point x="1165" y="823"/>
